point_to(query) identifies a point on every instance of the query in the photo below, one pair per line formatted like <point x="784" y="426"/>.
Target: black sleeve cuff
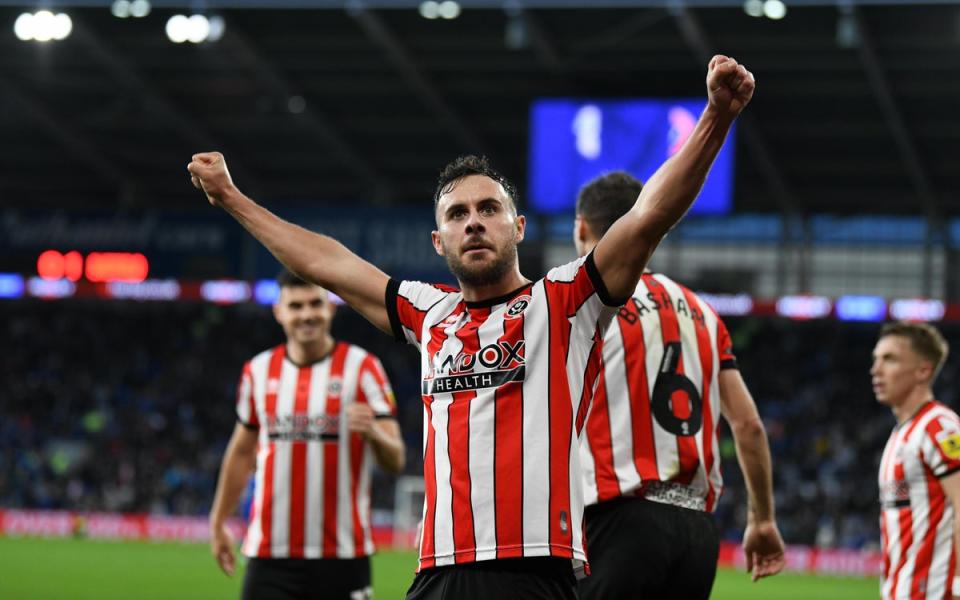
<point x="730" y="363"/>
<point x="249" y="426"/>
<point x="378" y="417"/>
<point x="948" y="472"/>
<point x="599" y="286"/>
<point x="390" y="301"/>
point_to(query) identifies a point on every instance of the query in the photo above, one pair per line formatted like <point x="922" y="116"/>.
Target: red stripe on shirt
<point x="705" y="351"/>
<point x="458" y="446"/>
<point x="410" y="316"/>
<point x="905" y="520"/>
<point x="357" y="446"/>
<point x="928" y="540"/>
<point x="331" y="451"/>
<point x="638" y="389"/>
<point x="427" y="534"/>
<point x="601" y="444"/>
<point x="561" y="419"/>
<point x="884" y="476"/>
<point x="270" y="412"/>
<point x="687" y="453"/>
<point x="436" y="338"/>
<point x="251" y="407"/>
<point x="298" y="467"/>
<point x="372" y="365"/>
<point x="590" y="375"/>
<point x="357" y="456"/>
<point x="935" y="501"/>
<point x="508" y="457"/>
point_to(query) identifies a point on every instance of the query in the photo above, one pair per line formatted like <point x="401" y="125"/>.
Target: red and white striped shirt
<point x="916" y="519"/>
<point x="506" y="387"/>
<point x="654" y="417"/>
<point x="312" y="488"/>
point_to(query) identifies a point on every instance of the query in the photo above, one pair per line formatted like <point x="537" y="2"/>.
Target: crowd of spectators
<point x="127" y="407"/>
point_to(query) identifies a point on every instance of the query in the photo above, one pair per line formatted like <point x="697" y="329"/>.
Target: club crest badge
<point x="517" y="306"/>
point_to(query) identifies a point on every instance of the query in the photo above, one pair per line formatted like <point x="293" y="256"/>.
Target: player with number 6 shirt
<point x="651" y="460"/>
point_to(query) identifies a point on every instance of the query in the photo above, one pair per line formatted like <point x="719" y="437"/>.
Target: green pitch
<point x="35" y="569"/>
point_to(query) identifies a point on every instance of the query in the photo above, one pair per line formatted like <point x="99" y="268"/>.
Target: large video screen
<point x="574" y="140"/>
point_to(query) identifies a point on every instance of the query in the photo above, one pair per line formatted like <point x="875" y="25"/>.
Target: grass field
<point x="37" y="569"/>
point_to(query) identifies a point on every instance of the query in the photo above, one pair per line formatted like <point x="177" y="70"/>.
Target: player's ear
<point x="925" y="371"/>
<point x="276" y="312"/>
<point x="521" y="228"/>
<point x="437" y="245"/>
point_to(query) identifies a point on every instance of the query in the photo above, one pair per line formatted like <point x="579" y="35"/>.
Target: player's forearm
<point x="624" y="251"/>
<point x="668" y="194"/>
<point x="753" y="454"/>
<point x="310" y="255"/>
<point x="234" y="472"/>
<point x="317" y="258"/>
<point x="388" y="450"/>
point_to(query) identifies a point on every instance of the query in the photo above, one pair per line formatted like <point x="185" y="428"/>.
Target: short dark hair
<point x="607" y="198"/>
<point x="464" y="166"/>
<point x="287" y="278"/>
<point x="924" y="339"/>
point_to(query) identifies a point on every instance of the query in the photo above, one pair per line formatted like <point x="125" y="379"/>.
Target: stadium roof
<point x="856" y="110"/>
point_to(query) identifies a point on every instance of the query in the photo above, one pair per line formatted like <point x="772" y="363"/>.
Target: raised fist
<point x="729" y="85"/>
<point x="208" y="172"/>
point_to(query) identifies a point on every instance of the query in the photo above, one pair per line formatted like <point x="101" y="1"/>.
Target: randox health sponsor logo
<point x="493" y="366"/>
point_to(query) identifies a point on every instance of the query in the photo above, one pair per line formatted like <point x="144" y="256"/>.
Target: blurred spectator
<point x="128" y="406"/>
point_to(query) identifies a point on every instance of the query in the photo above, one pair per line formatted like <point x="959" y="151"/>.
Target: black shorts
<point x="303" y="578"/>
<point x="541" y="578"/>
<point x="643" y="550"/>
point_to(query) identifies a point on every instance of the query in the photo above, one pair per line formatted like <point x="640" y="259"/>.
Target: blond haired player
<point x="920" y="469"/>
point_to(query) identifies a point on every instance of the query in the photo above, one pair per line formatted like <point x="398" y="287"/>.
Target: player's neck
<point x="309" y="353"/>
<point x="507" y="284"/>
<point x="914" y="402"/>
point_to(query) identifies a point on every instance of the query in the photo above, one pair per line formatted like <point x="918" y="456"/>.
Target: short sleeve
<point x="725" y="347"/>
<point x="576" y="291"/>
<point x="585" y="280"/>
<point x="941" y="445"/>
<point x="375" y="388"/>
<point x="246" y="407"/>
<point x="408" y="303"/>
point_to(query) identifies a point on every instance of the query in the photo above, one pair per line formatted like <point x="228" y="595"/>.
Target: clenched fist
<point x="360" y="419"/>
<point x="208" y="172"/>
<point x="729" y="85"/>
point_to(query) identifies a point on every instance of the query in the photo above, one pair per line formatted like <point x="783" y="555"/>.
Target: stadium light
<point x="177" y="29"/>
<point x="198" y="28"/>
<point x="449" y="9"/>
<point x="120" y="9"/>
<point x="754" y="8"/>
<point x="430" y="9"/>
<point x="139" y="9"/>
<point x="195" y="29"/>
<point x="217" y="28"/>
<point x="774" y="9"/>
<point x="43" y="26"/>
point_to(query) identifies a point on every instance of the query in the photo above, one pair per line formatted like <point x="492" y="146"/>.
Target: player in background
<point x="503" y="359"/>
<point x="920" y="470"/>
<point x="312" y="415"/>
<point x="651" y="459"/>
